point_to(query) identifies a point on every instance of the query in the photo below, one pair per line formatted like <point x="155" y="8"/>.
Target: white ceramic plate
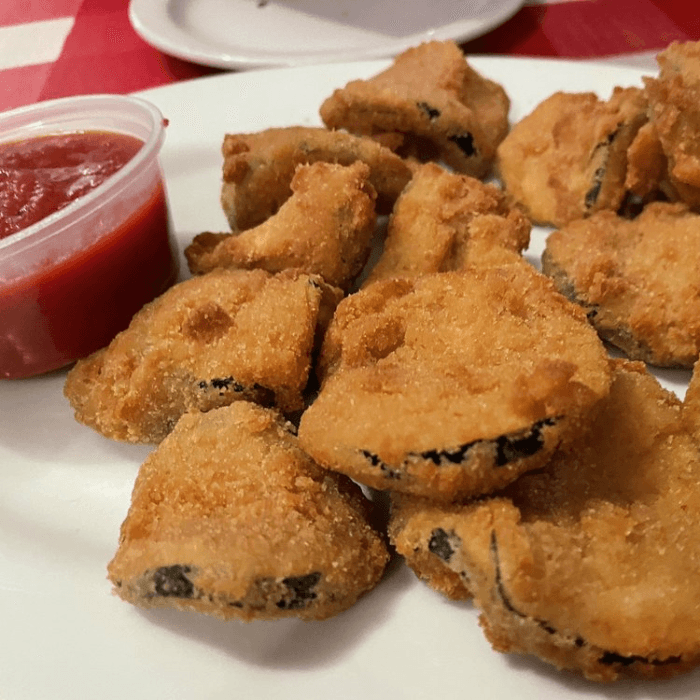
<point x="64" y="492"/>
<point x="264" y="33"/>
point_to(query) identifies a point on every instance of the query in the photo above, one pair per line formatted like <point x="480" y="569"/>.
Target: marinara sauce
<point x="72" y="304"/>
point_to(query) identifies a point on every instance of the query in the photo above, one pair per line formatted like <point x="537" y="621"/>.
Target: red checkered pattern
<point x="97" y="50"/>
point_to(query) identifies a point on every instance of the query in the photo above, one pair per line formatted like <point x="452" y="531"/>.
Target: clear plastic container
<point x="70" y="282"/>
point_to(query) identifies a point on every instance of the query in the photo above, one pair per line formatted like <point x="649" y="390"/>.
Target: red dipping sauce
<point x="42" y="175"/>
<point x="65" y="294"/>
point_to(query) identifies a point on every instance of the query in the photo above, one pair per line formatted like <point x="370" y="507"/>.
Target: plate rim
<point x="149" y="19"/>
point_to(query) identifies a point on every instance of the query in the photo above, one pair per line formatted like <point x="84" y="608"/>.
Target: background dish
<point x="65" y="491"/>
<point x="263" y="33"/>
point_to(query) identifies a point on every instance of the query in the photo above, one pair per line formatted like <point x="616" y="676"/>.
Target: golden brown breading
<point x="454" y="383"/>
<point x="591" y="563"/>
<point x="324" y="228"/>
<point x="425" y="533"/>
<point x="208" y="341"/>
<point x="637" y="279"/>
<point x="647" y="166"/>
<point x="432" y="103"/>
<point x="229" y="517"/>
<point x="569" y="157"/>
<point x="258" y="168"/>
<point x="674" y="98"/>
<point x="691" y="403"/>
<point x="438" y="219"/>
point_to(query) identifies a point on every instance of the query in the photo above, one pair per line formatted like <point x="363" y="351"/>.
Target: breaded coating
<point x="230" y="518"/>
<point x="647" y="168"/>
<point x="674" y="98"/>
<point x="454" y="383"/>
<point x="593" y="562"/>
<point x="258" y="168"/>
<point x="691" y="403"/>
<point x="569" y="157"/>
<point x="324" y="228"/>
<point x="425" y="533"/>
<point x="637" y="280"/>
<point x="225" y="336"/>
<point x="432" y="103"/>
<point x="439" y="222"/>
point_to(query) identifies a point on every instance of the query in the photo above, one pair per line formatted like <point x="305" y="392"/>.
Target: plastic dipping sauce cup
<point x="71" y="281"/>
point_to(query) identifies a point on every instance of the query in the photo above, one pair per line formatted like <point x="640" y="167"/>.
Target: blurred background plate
<point x="264" y="33"/>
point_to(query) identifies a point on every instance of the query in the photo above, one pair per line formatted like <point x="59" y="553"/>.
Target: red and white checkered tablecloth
<point x="56" y="48"/>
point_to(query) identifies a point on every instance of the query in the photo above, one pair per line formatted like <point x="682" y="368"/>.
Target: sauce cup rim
<point x="44" y="118"/>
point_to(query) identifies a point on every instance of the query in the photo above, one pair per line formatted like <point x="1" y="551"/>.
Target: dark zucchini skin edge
<point x="507" y="448"/>
<point x="173" y="581"/>
<point x="606" y="658"/>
